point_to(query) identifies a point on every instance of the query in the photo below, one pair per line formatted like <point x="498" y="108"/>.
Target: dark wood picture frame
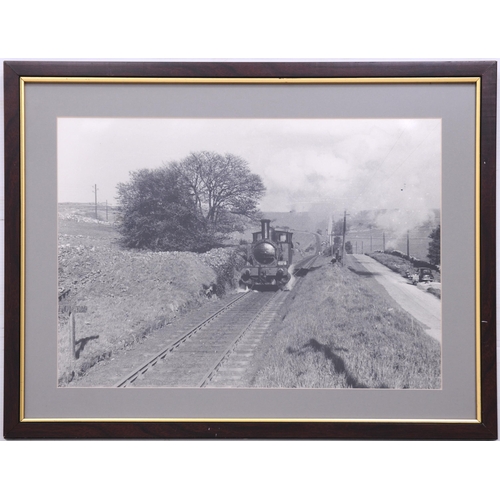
<point x="486" y="426"/>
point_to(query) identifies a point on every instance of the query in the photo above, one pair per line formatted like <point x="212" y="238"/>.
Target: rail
<point x="132" y="376"/>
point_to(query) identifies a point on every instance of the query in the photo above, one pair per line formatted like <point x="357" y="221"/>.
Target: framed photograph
<point x="269" y="250"/>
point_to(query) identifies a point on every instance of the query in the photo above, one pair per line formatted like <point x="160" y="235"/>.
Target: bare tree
<point x="224" y="189"/>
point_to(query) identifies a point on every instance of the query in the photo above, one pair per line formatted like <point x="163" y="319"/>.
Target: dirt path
<point x="423" y="306"/>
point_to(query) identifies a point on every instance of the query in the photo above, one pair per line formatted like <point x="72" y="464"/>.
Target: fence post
<point x="72" y="333"/>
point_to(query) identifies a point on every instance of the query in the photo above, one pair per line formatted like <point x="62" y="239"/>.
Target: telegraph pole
<point x="330" y="235"/>
<point x="408" y="242"/>
<point x="95" y="193"/>
<point x="343" y="238"/>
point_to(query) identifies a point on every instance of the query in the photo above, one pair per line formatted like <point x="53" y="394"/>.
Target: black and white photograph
<point x="249" y="253"/>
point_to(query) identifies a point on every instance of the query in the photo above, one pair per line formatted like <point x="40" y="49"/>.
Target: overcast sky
<point x="305" y="164"/>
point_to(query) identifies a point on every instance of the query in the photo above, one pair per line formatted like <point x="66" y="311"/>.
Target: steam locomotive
<point x="268" y="258"/>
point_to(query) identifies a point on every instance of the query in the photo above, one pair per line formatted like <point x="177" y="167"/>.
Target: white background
<point x="257" y="30"/>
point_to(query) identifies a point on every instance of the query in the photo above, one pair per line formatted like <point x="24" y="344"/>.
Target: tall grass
<point x="341" y="332"/>
<point x="127" y="294"/>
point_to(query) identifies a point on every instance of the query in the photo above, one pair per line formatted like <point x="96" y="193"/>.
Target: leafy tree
<point x="338" y="227"/>
<point x="158" y="213"/>
<point x="348" y="247"/>
<point x="224" y="190"/>
<point x="434" y="251"/>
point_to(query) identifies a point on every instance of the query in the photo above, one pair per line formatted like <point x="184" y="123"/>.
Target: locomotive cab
<point x="269" y="257"/>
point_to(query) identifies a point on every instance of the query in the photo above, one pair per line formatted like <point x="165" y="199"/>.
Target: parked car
<point x="425" y="275"/>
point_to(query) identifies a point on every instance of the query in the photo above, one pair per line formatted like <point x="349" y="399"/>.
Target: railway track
<point x="234" y="367"/>
<point x="217" y="351"/>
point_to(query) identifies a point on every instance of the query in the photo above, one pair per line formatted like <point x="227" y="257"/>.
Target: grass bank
<point x="340" y="333"/>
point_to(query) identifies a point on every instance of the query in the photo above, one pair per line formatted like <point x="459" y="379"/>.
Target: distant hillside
<point x="105" y="212"/>
<point x="370" y="230"/>
<point x="375" y="230"/>
<point x="295" y="220"/>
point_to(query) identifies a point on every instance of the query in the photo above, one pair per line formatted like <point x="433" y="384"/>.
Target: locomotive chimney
<point x="265" y="228"/>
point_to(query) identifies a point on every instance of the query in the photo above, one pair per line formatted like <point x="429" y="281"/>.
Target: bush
<point x="157" y="213"/>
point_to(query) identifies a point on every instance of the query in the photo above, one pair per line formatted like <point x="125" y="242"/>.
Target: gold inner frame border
<point x="187" y="80"/>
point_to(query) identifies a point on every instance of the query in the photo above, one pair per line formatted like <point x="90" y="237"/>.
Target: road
<point x="423" y="306"/>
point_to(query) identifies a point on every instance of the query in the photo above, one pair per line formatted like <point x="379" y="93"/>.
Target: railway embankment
<point x="126" y="295"/>
<point x="341" y="331"/>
